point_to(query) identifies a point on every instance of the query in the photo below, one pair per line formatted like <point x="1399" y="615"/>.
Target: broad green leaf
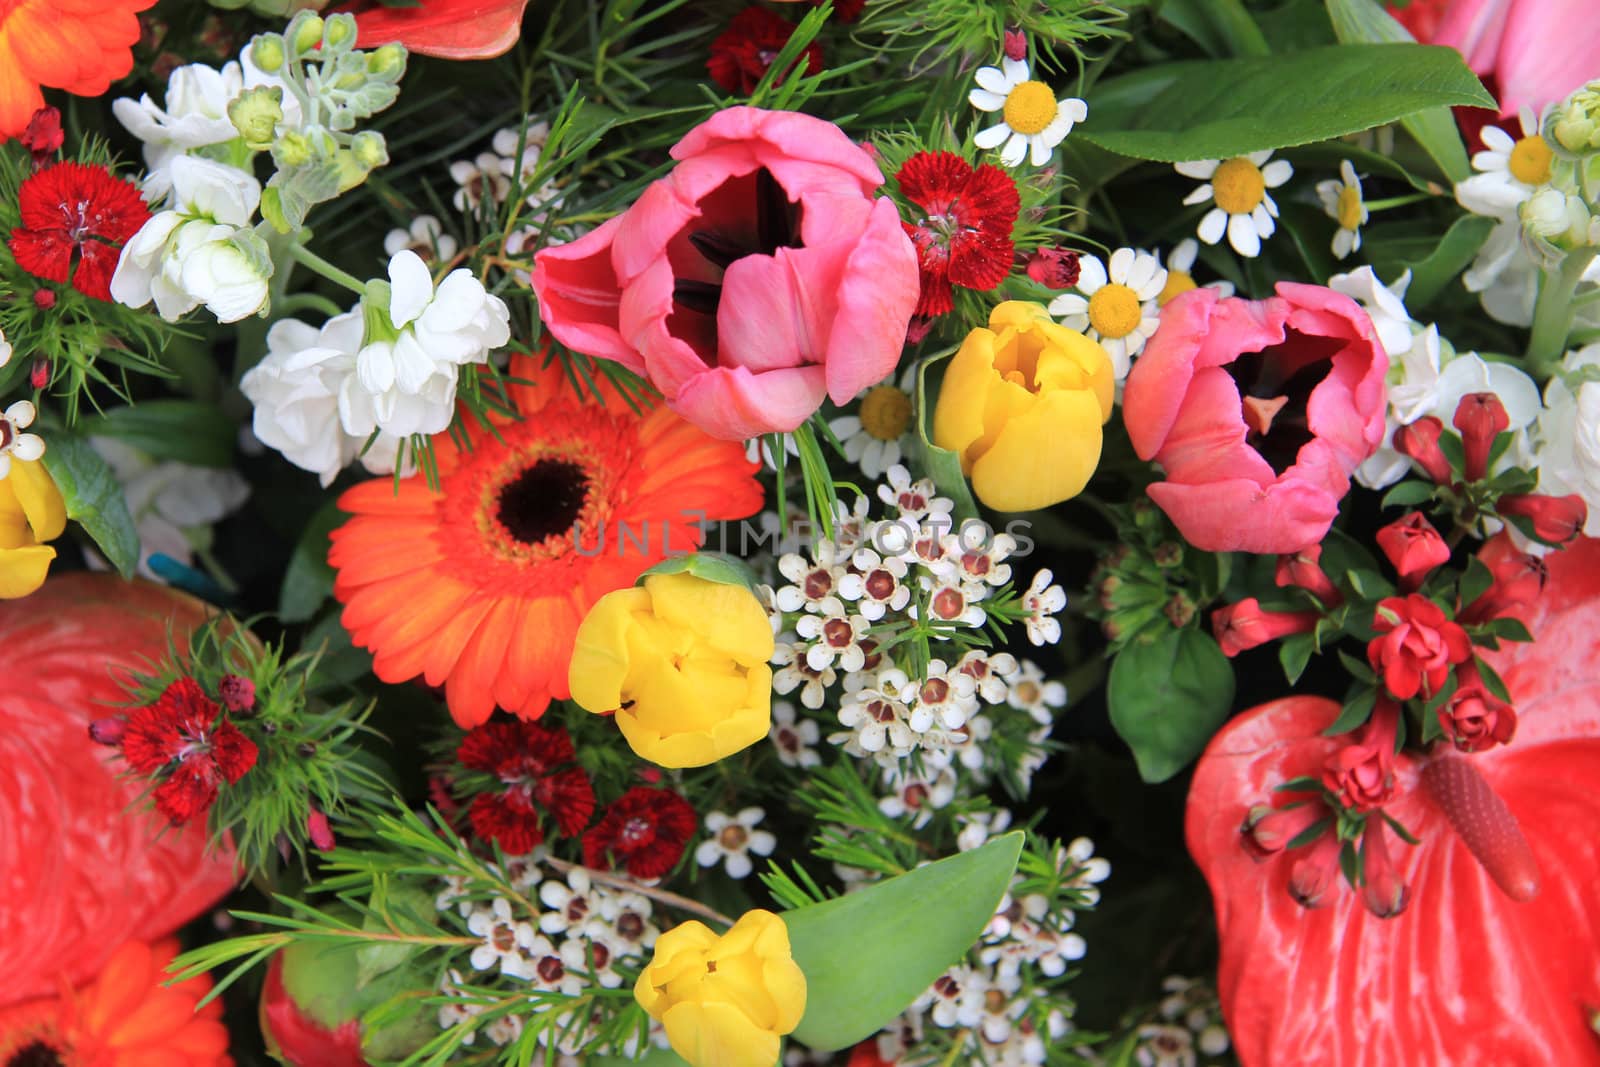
<point x="1365" y="22"/>
<point x="1220" y="27"/>
<point x="712" y="566"/>
<point x="653" y="1057"/>
<point x="940" y="464"/>
<point x="868" y="955"/>
<point x="308" y="580"/>
<point x="1356" y="711"/>
<point x="181" y="430"/>
<point x="1443" y="260"/>
<point x="1168" y="697"/>
<point x="1408" y="494"/>
<point x="1216" y="109"/>
<point x="94" y="499"/>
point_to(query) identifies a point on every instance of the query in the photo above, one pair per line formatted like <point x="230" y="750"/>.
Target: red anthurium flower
<point x="1414" y="547"/>
<point x="185" y="738"/>
<point x="645" y="831"/>
<point x="964" y="235"/>
<point x="450" y="29"/>
<point x="531" y="760"/>
<point x="1468" y="973"/>
<point x="1416" y="645"/>
<point x="742" y="53"/>
<point x="73" y="208"/>
<point x="1245" y="625"/>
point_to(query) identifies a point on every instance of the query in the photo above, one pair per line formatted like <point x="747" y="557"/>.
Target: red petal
<point x="450" y="29"/>
<point x="1464" y="974"/>
<point x="44" y="254"/>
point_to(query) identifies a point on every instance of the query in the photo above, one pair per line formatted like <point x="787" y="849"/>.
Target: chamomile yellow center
<point x="885" y="413"/>
<point x="1114" y="311"/>
<point x="1238" y="186"/>
<point x="1030" y="107"/>
<point x="1530" y="160"/>
<point x="1349" y="207"/>
<point x="1178" y="281"/>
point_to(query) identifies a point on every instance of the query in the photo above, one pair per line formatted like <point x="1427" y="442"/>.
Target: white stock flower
<point x="201" y="250"/>
<point x="1568" y="450"/>
<point x="172" y="504"/>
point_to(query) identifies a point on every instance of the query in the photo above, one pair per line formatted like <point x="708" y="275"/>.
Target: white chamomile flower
<point x="1341" y="199"/>
<point x="1509" y="171"/>
<point x="1237" y="188"/>
<point x="425" y="236"/>
<point x="13" y="442"/>
<point x="874" y="438"/>
<point x="1032" y="121"/>
<point x="1180" y="273"/>
<point x="1115" y="306"/>
<point x="732" y="839"/>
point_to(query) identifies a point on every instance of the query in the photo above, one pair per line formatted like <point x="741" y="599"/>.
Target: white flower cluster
<point x="576" y="943"/>
<point x="173" y="505"/>
<point x="488" y="175"/>
<point x="370" y="378"/>
<point x="1190" y="1022"/>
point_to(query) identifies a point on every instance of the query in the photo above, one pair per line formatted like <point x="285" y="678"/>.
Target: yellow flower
<point x="683" y="664"/>
<point x="1022" y="405"/>
<point x="31" y="513"/>
<point x="725" y="1000"/>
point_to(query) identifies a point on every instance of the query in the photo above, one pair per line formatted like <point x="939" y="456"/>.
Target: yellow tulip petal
<point x="40" y="499"/>
<point x="787" y="984"/>
<point x="958" y="414"/>
<point x="718" y="1035"/>
<point x="23" y="570"/>
<point x="1042" y="456"/>
<point x="599" y="665"/>
<point x="728" y="617"/>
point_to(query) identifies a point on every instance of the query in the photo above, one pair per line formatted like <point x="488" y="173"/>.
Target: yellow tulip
<point x="1022" y="404"/>
<point x="682" y="663"/>
<point x="31" y="513"/>
<point x="725" y="1000"/>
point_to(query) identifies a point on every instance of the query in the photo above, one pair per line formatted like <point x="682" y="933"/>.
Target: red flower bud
<point x="1480" y="417"/>
<point x="1361" y="774"/>
<point x="108" y="731"/>
<point x="1244" y="625"/>
<point x="1474" y="718"/>
<point x="43" y="136"/>
<point x="1555" y="518"/>
<point x="237" y="692"/>
<point x="1267" y="831"/>
<point x="320" y="832"/>
<point x="1304" y="569"/>
<point x="1054" y="268"/>
<point x="917" y="329"/>
<point x="44" y="299"/>
<point x="1016" y="45"/>
<point x="1315" y="875"/>
<point x="1416" y="645"/>
<point x="1519" y="580"/>
<point x="1414" y="547"/>
<point x="1382" y="889"/>
<point x="39" y="373"/>
<point x="1420" y="441"/>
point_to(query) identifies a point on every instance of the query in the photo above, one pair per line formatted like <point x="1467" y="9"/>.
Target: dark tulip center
<point x="544" y="500"/>
<point x="1275" y="385"/>
<point x="752" y="216"/>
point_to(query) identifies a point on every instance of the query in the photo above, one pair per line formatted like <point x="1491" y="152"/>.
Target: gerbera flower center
<point x="1178" y="281"/>
<point x="1349" y="207"/>
<point x="36" y="1054"/>
<point x="1238" y="186"/>
<point x="1530" y="160"/>
<point x="885" y="413"/>
<point x="543" y="501"/>
<point x="1030" y="107"/>
<point x="1114" y="310"/>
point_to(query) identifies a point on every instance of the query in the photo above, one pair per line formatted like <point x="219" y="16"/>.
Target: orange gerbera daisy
<point x="480" y="586"/>
<point x="126" y="1017"/>
<point x="76" y="45"/>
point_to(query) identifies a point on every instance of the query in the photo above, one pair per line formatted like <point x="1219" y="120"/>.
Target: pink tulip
<point x="1537" y="50"/>
<point x="758" y="277"/>
<point x="1258" y="411"/>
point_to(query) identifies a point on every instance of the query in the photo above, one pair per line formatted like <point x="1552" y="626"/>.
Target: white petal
<point x="411" y="286"/>
<point x="1213" y="226"/>
<point x="1152" y="286"/>
<point x="984" y="100"/>
<point x="1258" y="158"/>
<point x="1243" y="237"/>
<point x="1182" y="257"/>
<point x="739" y="865"/>
<point x="1016" y="71"/>
<point x="1091" y="274"/>
<point x="1277" y="172"/>
<point x="1199" y="195"/>
<point x="22" y="413"/>
<point x="1122" y="261"/>
<point x="28" y="446"/>
<point x="992" y="137"/>
<point x="1200" y="169"/>
<point x="1495" y="139"/>
<point x="1068" y="304"/>
<point x="1347" y="171"/>
<point x="1140" y="271"/>
<point x="1343" y="243"/>
<point x="991" y="79"/>
<point x="1042" y="147"/>
<point x="1014" y="151"/>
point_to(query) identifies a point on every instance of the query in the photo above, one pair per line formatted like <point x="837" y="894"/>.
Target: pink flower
<point x="1258" y="411"/>
<point x="1416" y="645"/>
<point x="1360" y="775"/>
<point x="758" y="277"/>
<point x="1414" y="547"/>
<point x="1537" y="50"/>
<point x="1243" y="626"/>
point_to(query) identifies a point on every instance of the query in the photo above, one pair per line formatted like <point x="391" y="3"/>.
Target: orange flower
<point x="76" y="45"/>
<point x="126" y="1017"/>
<point x="480" y="586"/>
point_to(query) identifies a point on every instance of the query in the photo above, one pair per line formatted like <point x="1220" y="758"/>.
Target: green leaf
<point x="1217" y="109"/>
<point x="94" y="500"/>
<point x="1168" y="697"/>
<point x="184" y="431"/>
<point x="1355" y="712"/>
<point x="1220" y="27"/>
<point x="1492" y="680"/>
<point x="941" y="464"/>
<point x="1408" y="494"/>
<point x="1365" y="22"/>
<point x="1358" y="668"/>
<point x="653" y="1057"/>
<point x="1510" y="628"/>
<point x="712" y="566"/>
<point x="868" y="955"/>
<point x="308" y="580"/>
<point x="1475" y="581"/>
<point x="1294" y="653"/>
<point x="1449" y="258"/>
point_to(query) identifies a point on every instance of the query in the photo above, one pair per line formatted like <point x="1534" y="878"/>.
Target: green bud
<point x="266" y="52"/>
<point x="256" y="113"/>
<point x="369" y="149"/>
<point x="1559" y="218"/>
<point x="349" y="80"/>
<point x="375" y="313"/>
<point x="387" y="62"/>
<point x="351" y="172"/>
<point x="293" y="149"/>
<point x="1575" y="122"/>
<point x="339" y="32"/>
<point x="305" y="31"/>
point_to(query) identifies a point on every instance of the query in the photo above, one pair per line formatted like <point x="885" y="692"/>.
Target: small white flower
<point x="13" y="442"/>
<point x="624" y="926"/>
<point x="954" y="602"/>
<point x="172" y="504"/>
<point x="878" y="720"/>
<point x="504" y="1029"/>
<point x="549" y="969"/>
<point x="981" y="564"/>
<point x="956" y="997"/>
<point x="816" y="581"/>
<point x="454" y="895"/>
<point x="1080" y="854"/>
<point x="483" y="176"/>
<point x="1032" y="121"/>
<point x="795" y="672"/>
<point x="916" y="501"/>
<point x="571" y="903"/>
<point x="874" y="438"/>
<point x="5" y="349"/>
<point x="1164" y="1046"/>
<point x="1117" y="306"/>
<point x="583" y="958"/>
<point x="876" y="585"/>
<point x="988" y="672"/>
<point x="851" y="527"/>
<point x="1180" y="272"/>
<point x="503" y="937"/>
<point x="978" y="826"/>
<point x="425" y="236"/>
<point x="1042" y="601"/>
<point x="835" y="638"/>
<point x="1030" y="692"/>
<point x="1237" y="188"/>
<point x="1341" y="199"/>
<point x="1509" y="171"/>
<point x="918" y="796"/>
<point x="945" y="696"/>
<point x="793" y="737"/>
<point x="459" y="1011"/>
<point x="533" y="138"/>
<point x="732" y="839"/>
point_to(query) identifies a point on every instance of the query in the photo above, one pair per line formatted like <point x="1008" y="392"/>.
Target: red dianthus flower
<point x="645" y="831"/>
<point x="185" y="736"/>
<point x="964" y="235"/>
<point x="528" y="759"/>
<point x="76" y="208"/>
<point x="742" y="53"/>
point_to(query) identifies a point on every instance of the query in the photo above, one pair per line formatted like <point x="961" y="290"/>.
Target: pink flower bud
<point x="1480" y="417"/>
<point x="1268" y="831"/>
<point x="1414" y="547"/>
<point x="237" y="692"/>
<point x="1420" y="441"/>
<point x="1519" y="580"/>
<point x="1016" y="45"/>
<point x="1315" y="875"/>
<point x="108" y="731"/>
<point x="1383" y="891"/>
<point x="39" y="373"/>
<point x="1555" y="518"/>
<point x="1474" y="718"/>
<point x="1304" y="570"/>
<point x="1361" y="774"/>
<point x="321" y="833"/>
<point x="44" y="299"/>
<point x="1245" y="625"/>
<point x="1054" y="268"/>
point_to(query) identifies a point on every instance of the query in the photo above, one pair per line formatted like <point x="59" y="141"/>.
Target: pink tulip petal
<point x="1241" y="516"/>
<point x="776" y="310"/>
<point x="733" y="404"/>
<point x="662" y="332"/>
<point x="579" y="296"/>
<point x="782" y="139"/>
<point x="1550" y="48"/>
<point x="875" y="300"/>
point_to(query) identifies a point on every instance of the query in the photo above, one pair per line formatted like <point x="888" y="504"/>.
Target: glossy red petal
<point x="1465" y="974"/>
<point x="449" y="29"/>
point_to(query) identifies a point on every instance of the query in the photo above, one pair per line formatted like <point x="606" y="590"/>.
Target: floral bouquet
<point x="935" y="533"/>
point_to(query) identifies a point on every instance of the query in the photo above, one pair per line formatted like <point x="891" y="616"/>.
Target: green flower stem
<point x="1552" y="314"/>
<point x="304" y="256"/>
<point x="1398" y="201"/>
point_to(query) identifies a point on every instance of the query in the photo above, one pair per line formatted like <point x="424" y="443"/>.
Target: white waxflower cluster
<point x="1188" y="1030"/>
<point x="490" y="176"/>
